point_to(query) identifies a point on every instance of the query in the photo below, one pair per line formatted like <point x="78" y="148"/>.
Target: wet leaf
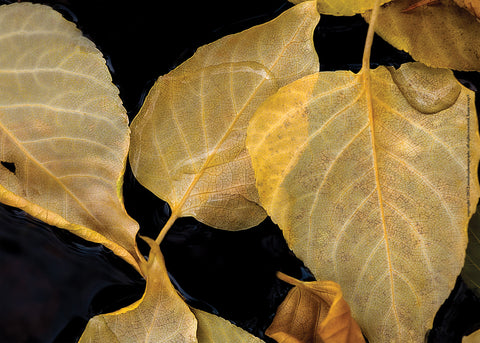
<point x="370" y="192"/>
<point x="442" y="35"/>
<point x="343" y="7"/>
<point x="314" y="311"/>
<point x="471" y="269"/>
<point x="188" y="140"/>
<point x="213" y="329"/>
<point x="160" y="316"/>
<point x="64" y="133"/>
<point x="472" y="338"/>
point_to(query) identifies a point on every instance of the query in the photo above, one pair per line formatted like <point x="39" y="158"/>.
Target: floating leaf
<point x="343" y="7"/>
<point x="64" y="133"/>
<point x="471" y="269"/>
<point x="370" y="192"/>
<point x="214" y="329"/>
<point x="188" y="141"/>
<point x="443" y="35"/>
<point x="472" y="338"/>
<point x="160" y="316"/>
<point x="314" y="312"/>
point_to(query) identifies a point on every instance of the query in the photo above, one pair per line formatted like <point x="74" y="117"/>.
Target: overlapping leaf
<point x="214" y="329"/>
<point x="343" y="7"/>
<point x="188" y="141"/>
<point x="442" y="35"/>
<point x="64" y="133"/>
<point x="314" y="312"/>
<point x="370" y="191"/>
<point x="472" y="338"/>
<point x="160" y="316"/>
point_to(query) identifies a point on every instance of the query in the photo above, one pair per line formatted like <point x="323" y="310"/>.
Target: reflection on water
<point x="50" y="277"/>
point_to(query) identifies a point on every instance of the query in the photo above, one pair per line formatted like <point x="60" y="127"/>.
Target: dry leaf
<point x="369" y="191"/>
<point x="442" y="36"/>
<point x="214" y="329"/>
<point x="160" y="316"/>
<point x="343" y="7"/>
<point x="63" y="130"/>
<point x="188" y="141"/>
<point x="314" y="312"/>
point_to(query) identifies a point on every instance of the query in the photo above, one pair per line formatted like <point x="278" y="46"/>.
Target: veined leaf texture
<point x="370" y="191"/>
<point x="188" y="140"/>
<point x="343" y="7"/>
<point x="63" y="130"/>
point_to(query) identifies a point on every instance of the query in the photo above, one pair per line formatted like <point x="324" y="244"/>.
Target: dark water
<point x="52" y="282"/>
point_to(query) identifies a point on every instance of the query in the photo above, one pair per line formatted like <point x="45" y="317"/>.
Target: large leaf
<point x="188" y="140"/>
<point x="442" y="35"/>
<point x="472" y="338"/>
<point x="160" y="316"/>
<point x="314" y="311"/>
<point x="471" y="269"/>
<point x="64" y="133"/>
<point x="214" y="329"/>
<point x="371" y="191"/>
<point x="343" y="7"/>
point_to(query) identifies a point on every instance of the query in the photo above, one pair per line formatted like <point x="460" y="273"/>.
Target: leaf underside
<point x="343" y="7"/>
<point x="64" y="133"/>
<point x="376" y="201"/>
<point x="442" y="35"/>
<point x="188" y="140"/>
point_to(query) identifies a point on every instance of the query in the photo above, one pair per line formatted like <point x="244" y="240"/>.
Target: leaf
<point x="213" y="329"/>
<point x="472" y="6"/>
<point x="314" y="312"/>
<point x="160" y="316"/>
<point x="370" y="192"/>
<point x="343" y="7"/>
<point x="188" y="140"/>
<point x="472" y="338"/>
<point x="64" y="133"/>
<point x="471" y="269"/>
<point x="442" y="36"/>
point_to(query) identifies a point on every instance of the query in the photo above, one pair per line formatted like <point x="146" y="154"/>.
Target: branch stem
<point x="370" y="33"/>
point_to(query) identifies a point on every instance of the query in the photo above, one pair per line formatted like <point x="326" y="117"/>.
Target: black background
<point x="52" y="282"/>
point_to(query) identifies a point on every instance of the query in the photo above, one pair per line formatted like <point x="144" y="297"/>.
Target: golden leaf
<point x="188" y="140"/>
<point x="472" y="338"/>
<point x="160" y="316"/>
<point x="314" y="311"/>
<point x="370" y="192"/>
<point x="442" y="35"/>
<point x="63" y="130"/>
<point x="472" y="6"/>
<point x="343" y="7"/>
<point x="214" y="329"/>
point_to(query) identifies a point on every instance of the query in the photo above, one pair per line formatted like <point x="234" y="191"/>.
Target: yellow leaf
<point x="442" y="35"/>
<point x="472" y="338"/>
<point x="188" y="140"/>
<point x="472" y="6"/>
<point x="213" y="329"/>
<point x="370" y="192"/>
<point x="64" y="133"/>
<point x="343" y="7"/>
<point x="314" y="312"/>
<point x="160" y="316"/>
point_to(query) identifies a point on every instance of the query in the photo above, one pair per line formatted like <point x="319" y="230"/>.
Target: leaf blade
<point x="328" y="198"/>
<point x="68" y="162"/>
<point x="209" y="167"/>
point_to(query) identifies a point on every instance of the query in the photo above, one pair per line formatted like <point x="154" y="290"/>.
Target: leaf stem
<point x="288" y="279"/>
<point x="370" y="33"/>
<point x="167" y="227"/>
